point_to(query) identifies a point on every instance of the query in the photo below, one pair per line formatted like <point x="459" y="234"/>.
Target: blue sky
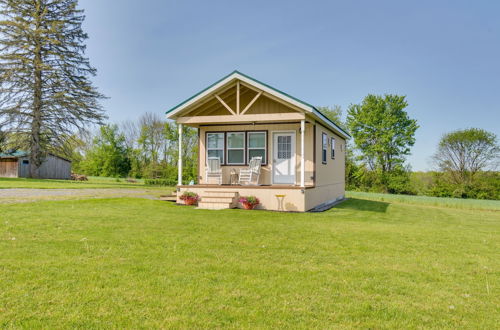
<point x="443" y="55"/>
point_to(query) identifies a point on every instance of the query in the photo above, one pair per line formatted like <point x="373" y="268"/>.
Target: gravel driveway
<point x="18" y="195"/>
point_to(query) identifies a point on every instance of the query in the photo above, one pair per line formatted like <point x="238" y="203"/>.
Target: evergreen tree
<point x="45" y="87"/>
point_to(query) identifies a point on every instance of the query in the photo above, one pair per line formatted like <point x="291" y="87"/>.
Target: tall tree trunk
<point x="35" y="152"/>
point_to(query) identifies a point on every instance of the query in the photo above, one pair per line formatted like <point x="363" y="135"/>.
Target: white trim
<point x="179" y="167"/>
<point x="228" y="148"/>
<point x="265" y="89"/>
<point x="238" y="76"/>
<point x="202" y="95"/>
<point x="324" y="148"/>
<point x="294" y="153"/>
<point x="302" y="154"/>
<point x="327" y="122"/>
<point x="266" y="151"/>
<point x="223" y="160"/>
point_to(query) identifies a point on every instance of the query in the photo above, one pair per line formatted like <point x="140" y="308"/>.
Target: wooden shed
<point x="17" y="165"/>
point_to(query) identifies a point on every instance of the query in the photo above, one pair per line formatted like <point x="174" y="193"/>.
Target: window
<point x="325" y="148"/>
<point x="215" y="146"/>
<point x="235" y="148"/>
<point x="26" y="162"/>
<point x="333" y="147"/>
<point x="257" y="143"/>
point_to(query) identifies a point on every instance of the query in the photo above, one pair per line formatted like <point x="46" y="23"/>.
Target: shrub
<point x="189" y="197"/>
<point x="252" y="200"/>
<point x="160" y="182"/>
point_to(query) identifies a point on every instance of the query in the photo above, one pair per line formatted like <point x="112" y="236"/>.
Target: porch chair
<point x="213" y="170"/>
<point x="253" y="171"/>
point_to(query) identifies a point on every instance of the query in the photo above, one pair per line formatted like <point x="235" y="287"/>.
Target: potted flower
<point x="249" y="202"/>
<point x="189" y="198"/>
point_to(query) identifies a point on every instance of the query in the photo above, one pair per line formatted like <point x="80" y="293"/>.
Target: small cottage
<point x="255" y="140"/>
<point x="16" y="164"/>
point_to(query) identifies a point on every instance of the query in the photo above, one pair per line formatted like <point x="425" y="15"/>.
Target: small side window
<point x="26" y="162"/>
<point x="333" y="147"/>
<point x="325" y="148"/>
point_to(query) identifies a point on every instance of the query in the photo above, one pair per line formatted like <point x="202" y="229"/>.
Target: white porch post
<point x="302" y="155"/>
<point x="179" y="173"/>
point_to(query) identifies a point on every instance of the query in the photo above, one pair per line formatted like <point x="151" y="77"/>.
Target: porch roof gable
<point x="236" y="75"/>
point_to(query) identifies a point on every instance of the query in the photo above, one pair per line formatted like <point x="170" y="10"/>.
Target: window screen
<point x="235" y="148"/>
<point x="257" y="145"/>
<point x="333" y="147"/>
<point x="325" y="148"/>
<point x="215" y="146"/>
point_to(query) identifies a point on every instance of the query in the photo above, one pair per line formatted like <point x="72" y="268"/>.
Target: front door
<point x="284" y="157"/>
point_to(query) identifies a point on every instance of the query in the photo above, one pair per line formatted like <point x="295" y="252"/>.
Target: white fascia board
<point x="273" y="92"/>
<point x="330" y="124"/>
<point x="201" y="95"/>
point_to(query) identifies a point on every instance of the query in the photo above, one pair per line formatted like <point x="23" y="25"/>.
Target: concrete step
<point x="220" y="199"/>
<point x="219" y="193"/>
<point x="215" y="205"/>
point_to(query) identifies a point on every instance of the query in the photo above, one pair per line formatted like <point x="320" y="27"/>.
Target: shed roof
<point x="14" y="154"/>
<point x="21" y="154"/>
<point x="287" y="97"/>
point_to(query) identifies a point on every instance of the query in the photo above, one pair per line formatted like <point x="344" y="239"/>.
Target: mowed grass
<point x="93" y="182"/>
<point x="477" y="204"/>
<point x="132" y="263"/>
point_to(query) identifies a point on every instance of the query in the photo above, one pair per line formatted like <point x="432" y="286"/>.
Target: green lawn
<point x="461" y="203"/>
<point x="93" y="182"/>
<point x="132" y="263"/>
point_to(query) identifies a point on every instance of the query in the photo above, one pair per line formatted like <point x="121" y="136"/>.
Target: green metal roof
<point x="268" y="86"/>
<point x="15" y="154"/>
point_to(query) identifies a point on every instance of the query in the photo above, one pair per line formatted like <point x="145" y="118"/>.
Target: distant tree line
<point x="465" y="161"/>
<point x="147" y="148"/>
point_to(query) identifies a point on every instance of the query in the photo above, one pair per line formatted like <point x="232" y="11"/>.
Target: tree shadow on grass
<point x="363" y="205"/>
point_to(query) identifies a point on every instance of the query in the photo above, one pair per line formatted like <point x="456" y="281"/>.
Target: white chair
<point x="252" y="174"/>
<point x="213" y="170"/>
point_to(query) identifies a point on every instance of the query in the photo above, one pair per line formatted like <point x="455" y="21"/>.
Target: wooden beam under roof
<point x="284" y="117"/>
<point x="251" y="102"/>
<point x="274" y="98"/>
<point x="224" y="104"/>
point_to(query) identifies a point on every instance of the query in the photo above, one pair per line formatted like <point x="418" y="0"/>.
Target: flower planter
<point x="249" y="202"/>
<point x="248" y="206"/>
<point x="190" y="201"/>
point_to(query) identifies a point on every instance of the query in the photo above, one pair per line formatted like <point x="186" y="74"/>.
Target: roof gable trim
<point x="259" y="85"/>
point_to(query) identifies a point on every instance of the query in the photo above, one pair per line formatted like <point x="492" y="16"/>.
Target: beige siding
<point x="266" y="171"/>
<point x="263" y="105"/>
<point x="330" y="177"/>
<point x="293" y="201"/>
<point x="324" y="182"/>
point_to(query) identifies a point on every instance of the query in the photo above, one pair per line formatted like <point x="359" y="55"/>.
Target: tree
<point x="45" y="87"/>
<point x="334" y="114"/>
<point x="108" y="155"/>
<point x="382" y="131"/>
<point x="463" y="153"/>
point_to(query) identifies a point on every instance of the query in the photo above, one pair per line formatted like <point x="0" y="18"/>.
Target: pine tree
<point x="45" y="89"/>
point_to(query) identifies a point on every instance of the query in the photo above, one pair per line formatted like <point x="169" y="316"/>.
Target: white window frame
<point x="324" y="148"/>
<point x="223" y="145"/>
<point x="242" y="148"/>
<point x="332" y="147"/>
<point x="249" y="148"/>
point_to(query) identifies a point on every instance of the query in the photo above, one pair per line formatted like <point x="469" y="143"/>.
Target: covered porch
<point x="237" y="124"/>
<point x="239" y="120"/>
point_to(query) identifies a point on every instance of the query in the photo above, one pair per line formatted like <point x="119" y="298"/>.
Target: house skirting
<point x="275" y="198"/>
